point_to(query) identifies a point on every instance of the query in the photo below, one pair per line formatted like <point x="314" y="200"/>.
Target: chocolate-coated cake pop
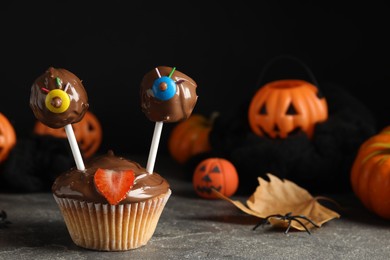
<point x="58" y="98"/>
<point x="167" y="99"/>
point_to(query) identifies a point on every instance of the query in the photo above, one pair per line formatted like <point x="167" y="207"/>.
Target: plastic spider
<point x="290" y="218"/>
<point x="3" y="219"/>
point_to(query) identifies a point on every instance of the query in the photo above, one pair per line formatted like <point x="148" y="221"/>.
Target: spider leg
<point x="289" y="226"/>
<point x="262" y="222"/>
<point x="300" y="222"/>
<point x="306" y="218"/>
<point x="266" y="220"/>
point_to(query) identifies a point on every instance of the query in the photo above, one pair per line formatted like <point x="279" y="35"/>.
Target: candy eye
<point x="57" y="101"/>
<point x="164" y="88"/>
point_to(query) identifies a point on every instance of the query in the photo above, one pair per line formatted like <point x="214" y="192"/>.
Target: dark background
<point x="223" y="47"/>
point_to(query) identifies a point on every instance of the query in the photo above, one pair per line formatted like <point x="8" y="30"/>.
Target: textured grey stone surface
<point x="194" y="228"/>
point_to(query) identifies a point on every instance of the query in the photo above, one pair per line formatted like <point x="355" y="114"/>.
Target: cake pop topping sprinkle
<point x="59" y="82"/>
<point x="45" y="90"/>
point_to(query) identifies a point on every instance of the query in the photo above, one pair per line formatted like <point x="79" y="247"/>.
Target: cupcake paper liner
<point x="108" y="227"/>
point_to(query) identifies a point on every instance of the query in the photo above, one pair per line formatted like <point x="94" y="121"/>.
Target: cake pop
<point x="58" y="99"/>
<point x="167" y="95"/>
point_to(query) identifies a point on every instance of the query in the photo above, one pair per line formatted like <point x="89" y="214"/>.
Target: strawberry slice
<point x="114" y="185"/>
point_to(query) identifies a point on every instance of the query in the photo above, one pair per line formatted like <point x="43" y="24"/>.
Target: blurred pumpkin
<point x="88" y="133"/>
<point x="190" y="137"/>
<point x="282" y="107"/>
<point x="215" y="173"/>
<point x="7" y="137"/>
<point x="370" y="174"/>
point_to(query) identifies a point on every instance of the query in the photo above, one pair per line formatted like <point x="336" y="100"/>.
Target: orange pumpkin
<point x="190" y="137"/>
<point x="370" y="174"/>
<point x="217" y="173"/>
<point x="7" y="137"/>
<point x="282" y="107"/>
<point x="88" y="133"/>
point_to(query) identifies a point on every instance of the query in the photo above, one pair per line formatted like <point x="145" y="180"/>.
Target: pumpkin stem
<point x="381" y="145"/>
<point x="381" y="152"/>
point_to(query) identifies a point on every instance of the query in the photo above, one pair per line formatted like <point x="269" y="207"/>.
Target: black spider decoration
<point x="3" y="219"/>
<point x="288" y="217"/>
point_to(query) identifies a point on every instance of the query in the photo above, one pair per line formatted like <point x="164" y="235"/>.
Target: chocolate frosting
<point x="74" y="88"/>
<point x="80" y="185"/>
<point x="179" y="107"/>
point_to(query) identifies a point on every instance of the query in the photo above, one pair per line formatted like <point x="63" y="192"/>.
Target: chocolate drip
<point x="80" y="185"/>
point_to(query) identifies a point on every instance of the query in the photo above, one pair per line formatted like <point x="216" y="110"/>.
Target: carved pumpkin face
<point x="282" y="107"/>
<point x="7" y="137"/>
<point x="88" y="133"/>
<point x="215" y="173"/>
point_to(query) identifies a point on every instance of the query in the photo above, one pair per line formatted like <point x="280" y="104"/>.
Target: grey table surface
<point x="194" y="228"/>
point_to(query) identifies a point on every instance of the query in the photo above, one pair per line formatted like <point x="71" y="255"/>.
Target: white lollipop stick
<point x="155" y="141"/>
<point x="74" y="147"/>
<point x="154" y="147"/>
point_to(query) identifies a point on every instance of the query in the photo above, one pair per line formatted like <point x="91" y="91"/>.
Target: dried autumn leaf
<point x="282" y="197"/>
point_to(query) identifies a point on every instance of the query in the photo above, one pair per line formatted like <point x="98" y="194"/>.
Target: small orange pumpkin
<point x="281" y="107"/>
<point x="190" y="137"/>
<point x="215" y="173"/>
<point x="370" y="174"/>
<point x="88" y="133"/>
<point x="7" y="137"/>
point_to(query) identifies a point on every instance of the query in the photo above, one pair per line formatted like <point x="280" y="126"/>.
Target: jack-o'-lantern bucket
<point x="285" y="106"/>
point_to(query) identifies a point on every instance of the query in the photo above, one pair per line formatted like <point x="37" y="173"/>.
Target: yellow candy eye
<point x="57" y="101"/>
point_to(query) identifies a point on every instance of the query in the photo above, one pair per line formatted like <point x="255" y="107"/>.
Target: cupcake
<point x="113" y="205"/>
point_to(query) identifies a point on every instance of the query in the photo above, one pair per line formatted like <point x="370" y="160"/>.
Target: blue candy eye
<point x="164" y="88"/>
